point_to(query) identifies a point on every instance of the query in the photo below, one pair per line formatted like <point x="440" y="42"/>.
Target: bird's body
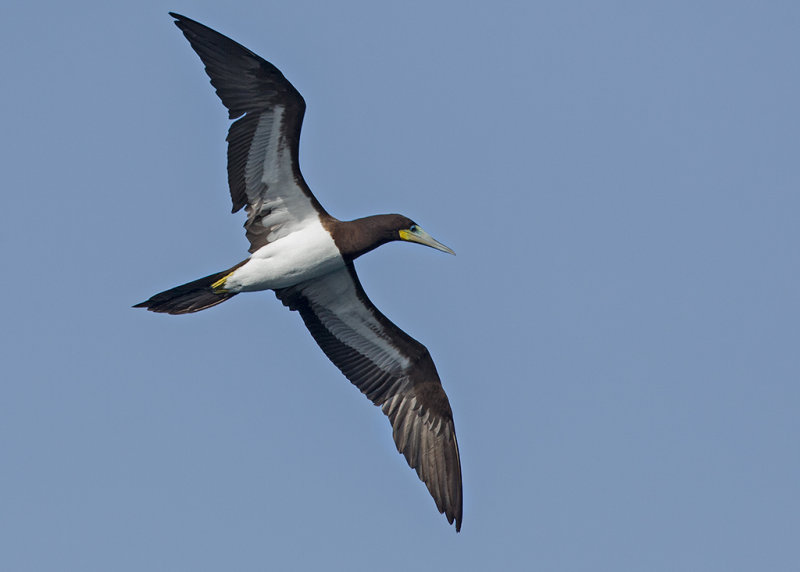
<point x="305" y="253"/>
<point x="306" y="256"/>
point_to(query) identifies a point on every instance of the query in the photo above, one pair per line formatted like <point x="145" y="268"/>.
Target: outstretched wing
<point x="263" y="143"/>
<point x="393" y="370"/>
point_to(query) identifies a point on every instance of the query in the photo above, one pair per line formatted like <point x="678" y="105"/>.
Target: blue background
<point x="618" y="334"/>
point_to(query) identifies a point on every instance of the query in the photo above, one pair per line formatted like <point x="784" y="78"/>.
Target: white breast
<point x="307" y="252"/>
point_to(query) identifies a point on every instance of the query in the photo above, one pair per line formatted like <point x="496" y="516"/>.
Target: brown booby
<point x="306" y="256"/>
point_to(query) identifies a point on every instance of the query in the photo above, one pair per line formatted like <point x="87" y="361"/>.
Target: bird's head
<point x="358" y="237"/>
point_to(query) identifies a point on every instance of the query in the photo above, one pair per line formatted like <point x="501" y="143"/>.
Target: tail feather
<point x="190" y="297"/>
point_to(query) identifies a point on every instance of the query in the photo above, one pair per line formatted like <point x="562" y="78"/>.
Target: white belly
<point x="301" y="255"/>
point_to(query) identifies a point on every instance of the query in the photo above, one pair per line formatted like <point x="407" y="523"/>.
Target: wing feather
<point x="393" y="370"/>
<point x="263" y="143"/>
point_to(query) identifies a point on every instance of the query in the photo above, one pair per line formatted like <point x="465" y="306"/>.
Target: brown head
<point x="357" y="237"/>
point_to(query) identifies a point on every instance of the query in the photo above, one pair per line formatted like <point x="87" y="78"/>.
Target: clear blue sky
<point x="618" y="334"/>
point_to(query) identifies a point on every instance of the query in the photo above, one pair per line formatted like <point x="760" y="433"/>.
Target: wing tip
<point x="189" y="26"/>
<point x="180" y="19"/>
<point x="455" y="514"/>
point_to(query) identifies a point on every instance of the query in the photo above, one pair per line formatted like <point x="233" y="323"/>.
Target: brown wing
<point x="263" y="143"/>
<point x="393" y="370"/>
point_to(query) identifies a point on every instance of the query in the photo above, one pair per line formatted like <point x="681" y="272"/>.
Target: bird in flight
<point x="306" y="257"/>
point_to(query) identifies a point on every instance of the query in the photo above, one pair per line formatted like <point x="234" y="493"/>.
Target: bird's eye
<point x="414" y="228"/>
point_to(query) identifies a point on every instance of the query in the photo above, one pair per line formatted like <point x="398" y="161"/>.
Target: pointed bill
<point x="416" y="234"/>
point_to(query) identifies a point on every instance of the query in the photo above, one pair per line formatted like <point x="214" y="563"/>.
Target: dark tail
<point x="191" y="297"/>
